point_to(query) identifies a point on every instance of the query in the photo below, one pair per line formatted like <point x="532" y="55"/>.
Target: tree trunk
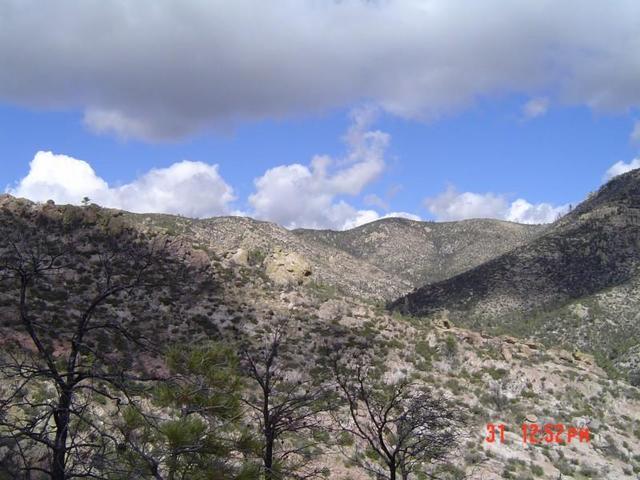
<point x="392" y="471"/>
<point x="268" y="457"/>
<point x="61" y="418"/>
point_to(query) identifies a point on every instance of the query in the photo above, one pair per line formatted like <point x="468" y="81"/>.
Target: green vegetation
<point x="256" y="256"/>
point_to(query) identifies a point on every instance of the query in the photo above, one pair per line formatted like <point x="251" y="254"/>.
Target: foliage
<point x="202" y="433"/>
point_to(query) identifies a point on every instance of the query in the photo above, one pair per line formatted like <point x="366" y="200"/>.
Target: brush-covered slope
<point x="576" y="283"/>
<point x="381" y="260"/>
<point x="266" y="245"/>
<point x="425" y="252"/>
<point x="489" y="378"/>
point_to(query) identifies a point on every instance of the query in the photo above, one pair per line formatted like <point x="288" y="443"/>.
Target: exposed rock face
<point x="241" y="257"/>
<point x="506" y="353"/>
<point x="285" y="268"/>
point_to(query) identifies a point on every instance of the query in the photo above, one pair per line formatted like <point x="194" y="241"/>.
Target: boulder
<point x="241" y="257"/>
<point x="442" y="321"/>
<point x="583" y="357"/>
<point x="506" y="353"/>
<point x="473" y="338"/>
<point x="286" y="268"/>
<point x="562" y="354"/>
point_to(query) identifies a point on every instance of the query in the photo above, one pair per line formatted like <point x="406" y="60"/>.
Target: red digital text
<point x="535" y="433"/>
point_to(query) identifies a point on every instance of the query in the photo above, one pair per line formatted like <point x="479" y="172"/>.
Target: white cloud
<point x="293" y="195"/>
<point x="194" y="189"/>
<point x="521" y="211"/>
<point x="368" y="216"/>
<point x="308" y="196"/>
<point x="536" y="107"/>
<point x="407" y="215"/>
<point x="635" y="133"/>
<point x="61" y="178"/>
<point x="451" y="205"/>
<point x="160" y="70"/>
<point x="362" y="217"/>
<point x="619" y="168"/>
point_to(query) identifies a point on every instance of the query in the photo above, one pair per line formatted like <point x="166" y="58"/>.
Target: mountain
<point x="264" y="243"/>
<point x="576" y="284"/>
<point x="379" y="261"/>
<point x="326" y="284"/>
<point x="426" y="252"/>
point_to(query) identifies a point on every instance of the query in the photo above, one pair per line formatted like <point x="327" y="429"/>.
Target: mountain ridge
<point x="593" y="248"/>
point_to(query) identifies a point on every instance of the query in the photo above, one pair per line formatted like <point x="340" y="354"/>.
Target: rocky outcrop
<point x="286" y="268"/>
<point x="240" y="257"/>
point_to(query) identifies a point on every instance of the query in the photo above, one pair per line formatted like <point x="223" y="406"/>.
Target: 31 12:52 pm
<point x="534" y="433"/>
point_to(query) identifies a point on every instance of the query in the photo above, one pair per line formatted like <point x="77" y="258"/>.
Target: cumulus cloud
<point x="368" y="216"/>
<point x="536" y="107"/>
<point x="194" y="189"/>
<point x="61" y="178"/>
<point x="160" y="70"/>
<point x="309" y="196"/>
<point x="619" y="168"/>
<point x="453" y="205"/>
<point x="294" y="195"/>
<point x="521" y="211"/>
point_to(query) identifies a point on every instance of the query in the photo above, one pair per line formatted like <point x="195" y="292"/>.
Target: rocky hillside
<point x="426" y="252"/>
<point x="287" y="256"/>
<point x="258" y="273"/>
<point x="377" y="261"/>
<point x="575" y="284"/>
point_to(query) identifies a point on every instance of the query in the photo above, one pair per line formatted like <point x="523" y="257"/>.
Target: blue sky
<point x="278" y="136"/>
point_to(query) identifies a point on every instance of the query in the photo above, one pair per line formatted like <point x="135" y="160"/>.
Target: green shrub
<point x="537" y="470"/>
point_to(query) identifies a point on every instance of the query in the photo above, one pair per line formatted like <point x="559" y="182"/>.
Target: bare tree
<point x="405" y="429"/>
<point x="285" y="402"/>
<point x="74" y="276"/>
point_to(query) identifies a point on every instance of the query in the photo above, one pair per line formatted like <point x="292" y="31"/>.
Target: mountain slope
<point x="491" y="378"/>
<point x="594" y="248"/>
<point x="379" y="261"/>
<point x="425" y="252"/>
<point x="265" y="242"/>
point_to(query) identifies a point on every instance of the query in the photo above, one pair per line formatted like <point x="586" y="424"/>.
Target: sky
<point x="319" y="113"/>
